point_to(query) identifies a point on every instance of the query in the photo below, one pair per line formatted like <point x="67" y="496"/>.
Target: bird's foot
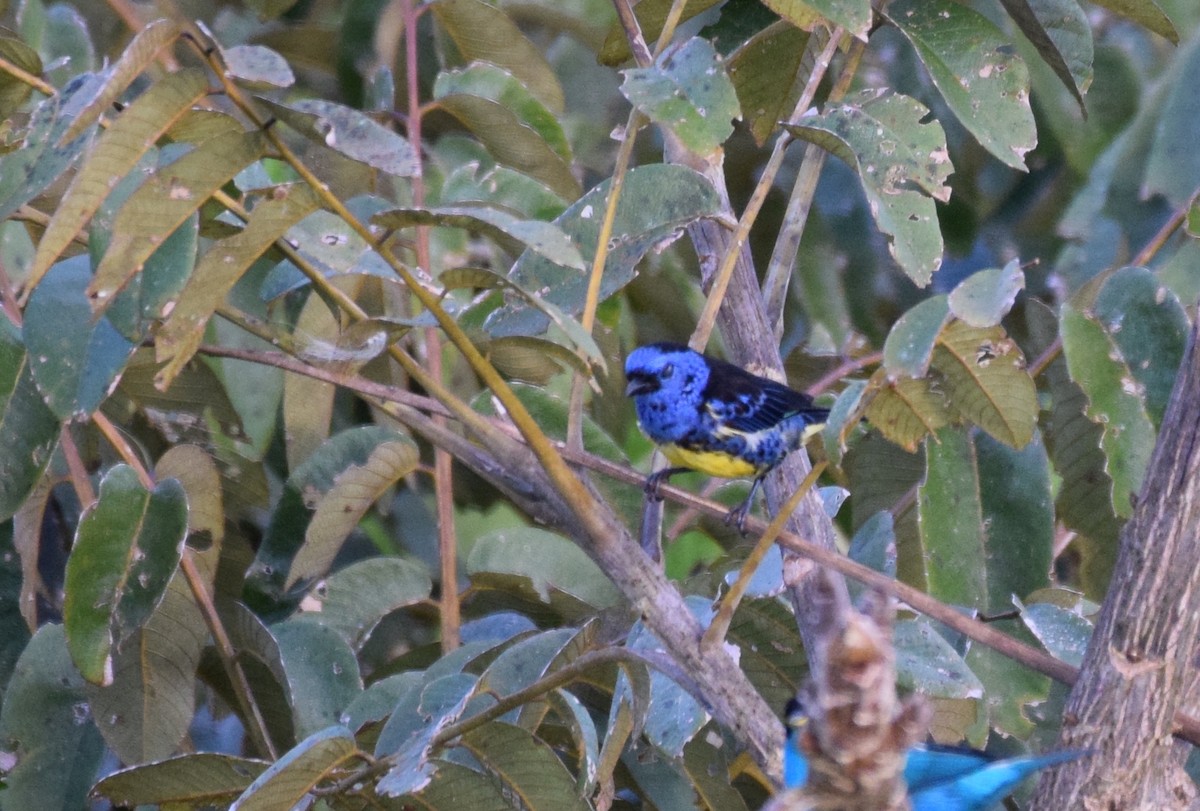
<point x="654" y="481"/>
<point x="737" y="516"/>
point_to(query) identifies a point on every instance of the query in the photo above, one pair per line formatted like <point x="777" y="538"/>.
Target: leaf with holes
<point x="902" y="164"/>
<point x="985" y="382"/>
<point x="972" y="65"/>
<point x="688" y="92"/>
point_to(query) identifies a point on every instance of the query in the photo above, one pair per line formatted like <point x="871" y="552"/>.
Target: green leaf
<point x="338" y="512"/>
<point x="456" y="787"/>
<point x="46" y="725"/>
<point x="1150" y="328"/>
<point x="907" y="410"/>
<point x="528" y="660"/>
<point x="525" y="766"/>
<point x="544" y="566"/>
<point x="852" y="15"/>
<point x="772" y="656"/>
<point x="151" y="292"/>
<point x="1065" y="634"/>
<point x="651" y="15"/>
<point x="503" y="188"/>
<point x="985" y="518"/>
<point x="543" y="238"/>
<point x="899" y="161"/>
<point x="349" y="132"/>
<point x="262" y="661"/>
<point x="657" y="202"/>
<point x="985" y="382"/>
<point x="687" y="91"/>
<point x="407" y="737"/>
<point x="514" y="125"/>
<point x="353" y="600"/>
<point x="706" y="763"/>
<point x="953" y="538"/>
<point x="257" y="66"/>
<point x="985" y="297"/>
<point x="127" y="547"/>
<point x="478" y="277"/>
<point x="1145" y="13"/>
<point x="1010" y="688"/>
<point x="673" y="716"/>
<point x="134" y="59"/>
<point x="766" y="73"/>
<point x="909" y="345"/>
<point x="484" y="33"/>
<point x="115" y="154"/>
<point x="289" y="779"/>
<point x="1060" y="32"/>
<point x="1016" y="498"/>
<point x="973" y="67"/>
<point x="164" y="201"/>
<point x="28" y="428"/>
<point x="874" y="545"/>
<point x="13" y="91"/>
<point x="926" y="663"/>
<point x="845" y="408"/>
<point x="75" y="357"/>
<point x="304" y="491"/>
<point x="147" y="709"/>
<point x="1173" y="168"/>
<point x="1084" y="500"/>
<point x="322" y="673"/>
<point x="499" y="85"/>
<point x="45" y="155"/>
<point x="328" y="243"/>
<point x="1114" y="402"/>
<point x="195" y="779"/>
<point x="377" y="701"/>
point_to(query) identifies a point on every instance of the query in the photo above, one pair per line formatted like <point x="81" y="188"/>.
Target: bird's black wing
<point x="748" y="403"/>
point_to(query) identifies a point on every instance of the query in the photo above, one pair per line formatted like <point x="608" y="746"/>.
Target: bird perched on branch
<point x="939" y="778"/>
<point x="711" y="416"/>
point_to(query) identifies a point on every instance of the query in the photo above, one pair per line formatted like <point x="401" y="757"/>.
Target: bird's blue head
<point x="666" y="382"/>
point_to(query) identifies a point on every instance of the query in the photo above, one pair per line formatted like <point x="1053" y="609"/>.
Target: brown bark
<point x="1139" y="667"/>
<point x="751" y="342"/>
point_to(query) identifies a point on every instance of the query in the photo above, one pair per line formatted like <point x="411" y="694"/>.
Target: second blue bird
<point x="711" y="416"/>
<point x="939" y="778"/>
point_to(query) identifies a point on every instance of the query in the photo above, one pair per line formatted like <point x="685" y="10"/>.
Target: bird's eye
<point x="668" y="370"/>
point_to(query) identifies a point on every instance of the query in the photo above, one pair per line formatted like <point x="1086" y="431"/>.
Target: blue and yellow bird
<point x="939" y="778"/>
<point x="711" y="416"/>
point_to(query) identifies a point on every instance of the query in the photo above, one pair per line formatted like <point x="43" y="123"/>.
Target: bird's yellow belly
<point x="712" y="463"/>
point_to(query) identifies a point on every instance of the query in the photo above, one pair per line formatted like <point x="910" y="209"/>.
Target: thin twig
<point x="80" y="480"/>
<point x="720" y="624"/>
<point x="1151" y="248"/>
<point x="256" y="725"/>
<point x="123" y="448"/>
<point x="708" y="318"/>
<point x="783" y="257"/>
<point x="847" y="368"/>
<point x="22" y="75"/>
<point x="450" y="611"/>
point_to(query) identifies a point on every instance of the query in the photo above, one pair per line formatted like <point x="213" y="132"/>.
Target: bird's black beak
<point x="640" y="384"/>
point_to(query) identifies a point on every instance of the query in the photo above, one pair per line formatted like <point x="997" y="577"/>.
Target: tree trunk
<point x="1139" y="666"/>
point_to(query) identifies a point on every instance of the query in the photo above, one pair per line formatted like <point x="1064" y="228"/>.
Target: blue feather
<point x="939" y="778"/>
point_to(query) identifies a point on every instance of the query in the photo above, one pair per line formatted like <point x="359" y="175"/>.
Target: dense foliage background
<point x="305" y="303"/>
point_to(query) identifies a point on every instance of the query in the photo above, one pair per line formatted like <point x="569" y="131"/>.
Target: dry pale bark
<point x="1140" y="666"/>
